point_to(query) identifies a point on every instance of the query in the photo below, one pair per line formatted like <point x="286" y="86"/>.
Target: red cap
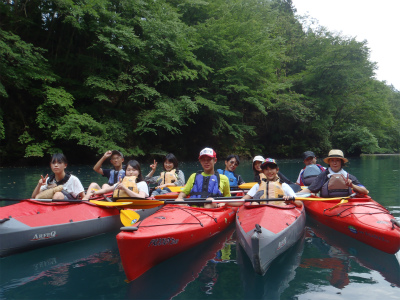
<point x="208" y="152"/>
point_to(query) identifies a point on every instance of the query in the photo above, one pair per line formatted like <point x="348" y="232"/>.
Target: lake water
<point x="323" y="265"/>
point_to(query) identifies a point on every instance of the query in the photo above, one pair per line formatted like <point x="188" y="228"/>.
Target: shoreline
<point x="382" y="154"/>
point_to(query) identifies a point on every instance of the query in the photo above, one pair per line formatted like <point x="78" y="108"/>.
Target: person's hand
<point x="43" y="180"/>
<point x="349" y="182"/>
<point x="108" y="154"/>
<point x="154" y="165"/>
<point x="161" y="186"/>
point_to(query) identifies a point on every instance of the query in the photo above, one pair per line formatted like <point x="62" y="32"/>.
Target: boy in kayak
<point x="113" y="175"/>
<point x="72" y="188"/>
<point x="311" y="169"/>
<point x="270" y="187"/>
<point x="335" y="181"/>
<point x="206" y="183"/>
<point x="231" y="163"/>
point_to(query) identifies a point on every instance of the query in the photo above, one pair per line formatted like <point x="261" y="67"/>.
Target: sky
<point x="377" y="21"/>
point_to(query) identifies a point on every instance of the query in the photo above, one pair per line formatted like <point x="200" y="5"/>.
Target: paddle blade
<point x="129" y="217"/>
<point x="247" y="185"/>
<point x="110" y="204"/>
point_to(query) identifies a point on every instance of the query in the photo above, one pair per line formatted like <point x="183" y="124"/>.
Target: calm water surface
<point x="323" y="265"/>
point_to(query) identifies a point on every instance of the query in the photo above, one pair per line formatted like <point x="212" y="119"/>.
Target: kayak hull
<point x="169" y="231"/>
<point x="267" y="231"/>
<point x="361" y="218"/>
<point x="32" y="224"/>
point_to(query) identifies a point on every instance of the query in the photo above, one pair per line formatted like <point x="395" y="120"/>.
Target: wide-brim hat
<point x="269" y="161"/>
<point x="335" y="153"/>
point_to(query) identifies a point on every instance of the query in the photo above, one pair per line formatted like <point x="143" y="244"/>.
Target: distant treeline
<point x="150" y="77"/>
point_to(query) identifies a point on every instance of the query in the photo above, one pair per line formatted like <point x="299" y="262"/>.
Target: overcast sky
<point x="377" y="21"/>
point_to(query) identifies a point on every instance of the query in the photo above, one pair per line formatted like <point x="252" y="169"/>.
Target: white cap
<point x="208" y="152"/>
<point x="258" y="158"/>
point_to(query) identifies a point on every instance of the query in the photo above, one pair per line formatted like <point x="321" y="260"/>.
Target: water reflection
<point x="336" y="252"/>
<point x="281" y="272"/>
<point x="171" y="277"/>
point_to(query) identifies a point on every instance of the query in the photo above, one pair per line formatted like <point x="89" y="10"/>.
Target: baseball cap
<point x="268" y="161"/>
<point x="258" y="158"/>
<point x="308" y="154"/>
<point x="116" y="152"/>
<point x="208" y="152"/>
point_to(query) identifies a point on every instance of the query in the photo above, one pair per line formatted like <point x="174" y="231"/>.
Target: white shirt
<point x="73" y="186"/>
<point x="285" y="187"/>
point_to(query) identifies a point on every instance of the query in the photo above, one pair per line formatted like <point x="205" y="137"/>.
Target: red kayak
<point x="169" y="231"/>
<point x="361" y="218"/>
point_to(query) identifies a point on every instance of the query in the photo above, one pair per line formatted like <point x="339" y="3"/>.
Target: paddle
<point x="129" y="217"/>
<point x="43" y="200"/>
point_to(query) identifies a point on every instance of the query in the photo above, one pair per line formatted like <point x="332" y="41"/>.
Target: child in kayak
<point x="113" y="175"/>
<point x="258" y="173"/>
<point x="72" y="188"/>
<point x="171" y="176"/>
<point x="138" y="189"/>
<point x="206" y="183"/>
<point x="270" y="187"/>
<point x="335" y="181"/>
<point x="231" y="163"/>
<point x="310" y="171"/>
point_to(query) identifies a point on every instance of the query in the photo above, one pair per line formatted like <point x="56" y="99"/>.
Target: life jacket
<point x="52" y="179"/>
<point x="130" y="183"/>
<point x="116" y="176"/>
<point x="335" y="186"/>
<point x="168" y="177"/>
<point x="310" y="173"/>
<point x="206" y="186"/>
<point x="269" y="190"/>
<point x="233" y="178"/>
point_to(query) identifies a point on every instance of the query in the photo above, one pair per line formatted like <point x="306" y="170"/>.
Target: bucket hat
<point x="335" y="153"/>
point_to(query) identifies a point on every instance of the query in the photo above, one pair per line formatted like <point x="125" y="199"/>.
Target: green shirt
<point x="224" y="186"/>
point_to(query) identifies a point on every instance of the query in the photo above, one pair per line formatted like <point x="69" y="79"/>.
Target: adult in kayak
<point x="206" y="183"/>
<point x="311" y="169"/>
<point x="271" y="186"/>
<point x="72" y="188"/>
<point x="171" y="176"/>
<point x="335" y="181"/>
<point x="231" y="163"/>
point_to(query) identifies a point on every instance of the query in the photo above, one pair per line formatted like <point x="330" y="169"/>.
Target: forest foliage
<point x="150" y="77"/>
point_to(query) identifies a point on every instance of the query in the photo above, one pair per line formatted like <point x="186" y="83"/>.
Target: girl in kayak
<point x="231" y="163"/>
<point x="138" y="189"/>
<point x="271" y="186"/>
<point x="171" y="176"/>
<point x="335" y="181"/>
<point x="72" y="188"/>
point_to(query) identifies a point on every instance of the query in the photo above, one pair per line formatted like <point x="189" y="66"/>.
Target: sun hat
<point x="258" y="158"/>
<point x="308" y="154"/>
<point x="268" y="161"/>
<point x="335" y="153"/>
<point x="208" y="152"/>
<point x="116" y="152"/>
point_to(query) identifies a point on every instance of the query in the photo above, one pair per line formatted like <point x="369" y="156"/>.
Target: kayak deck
<point x="361" y="218"/>
<point x="169" y="231"/>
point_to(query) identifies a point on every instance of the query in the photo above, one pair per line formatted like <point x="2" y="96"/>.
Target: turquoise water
<point x="323" y="265"/>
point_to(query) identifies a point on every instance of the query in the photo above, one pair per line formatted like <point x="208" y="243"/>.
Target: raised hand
<point x="154" y="165"/>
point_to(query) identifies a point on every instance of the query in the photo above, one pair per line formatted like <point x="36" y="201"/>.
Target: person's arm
<point x="97" y="166"/>
<point x="42" y="182"/>
<point x="240" y="180"/>
<point x="357" y="187"/>
<point x="153" y="169"/>
<point x="188" y="187"/>
<point x="225" y="186"/>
